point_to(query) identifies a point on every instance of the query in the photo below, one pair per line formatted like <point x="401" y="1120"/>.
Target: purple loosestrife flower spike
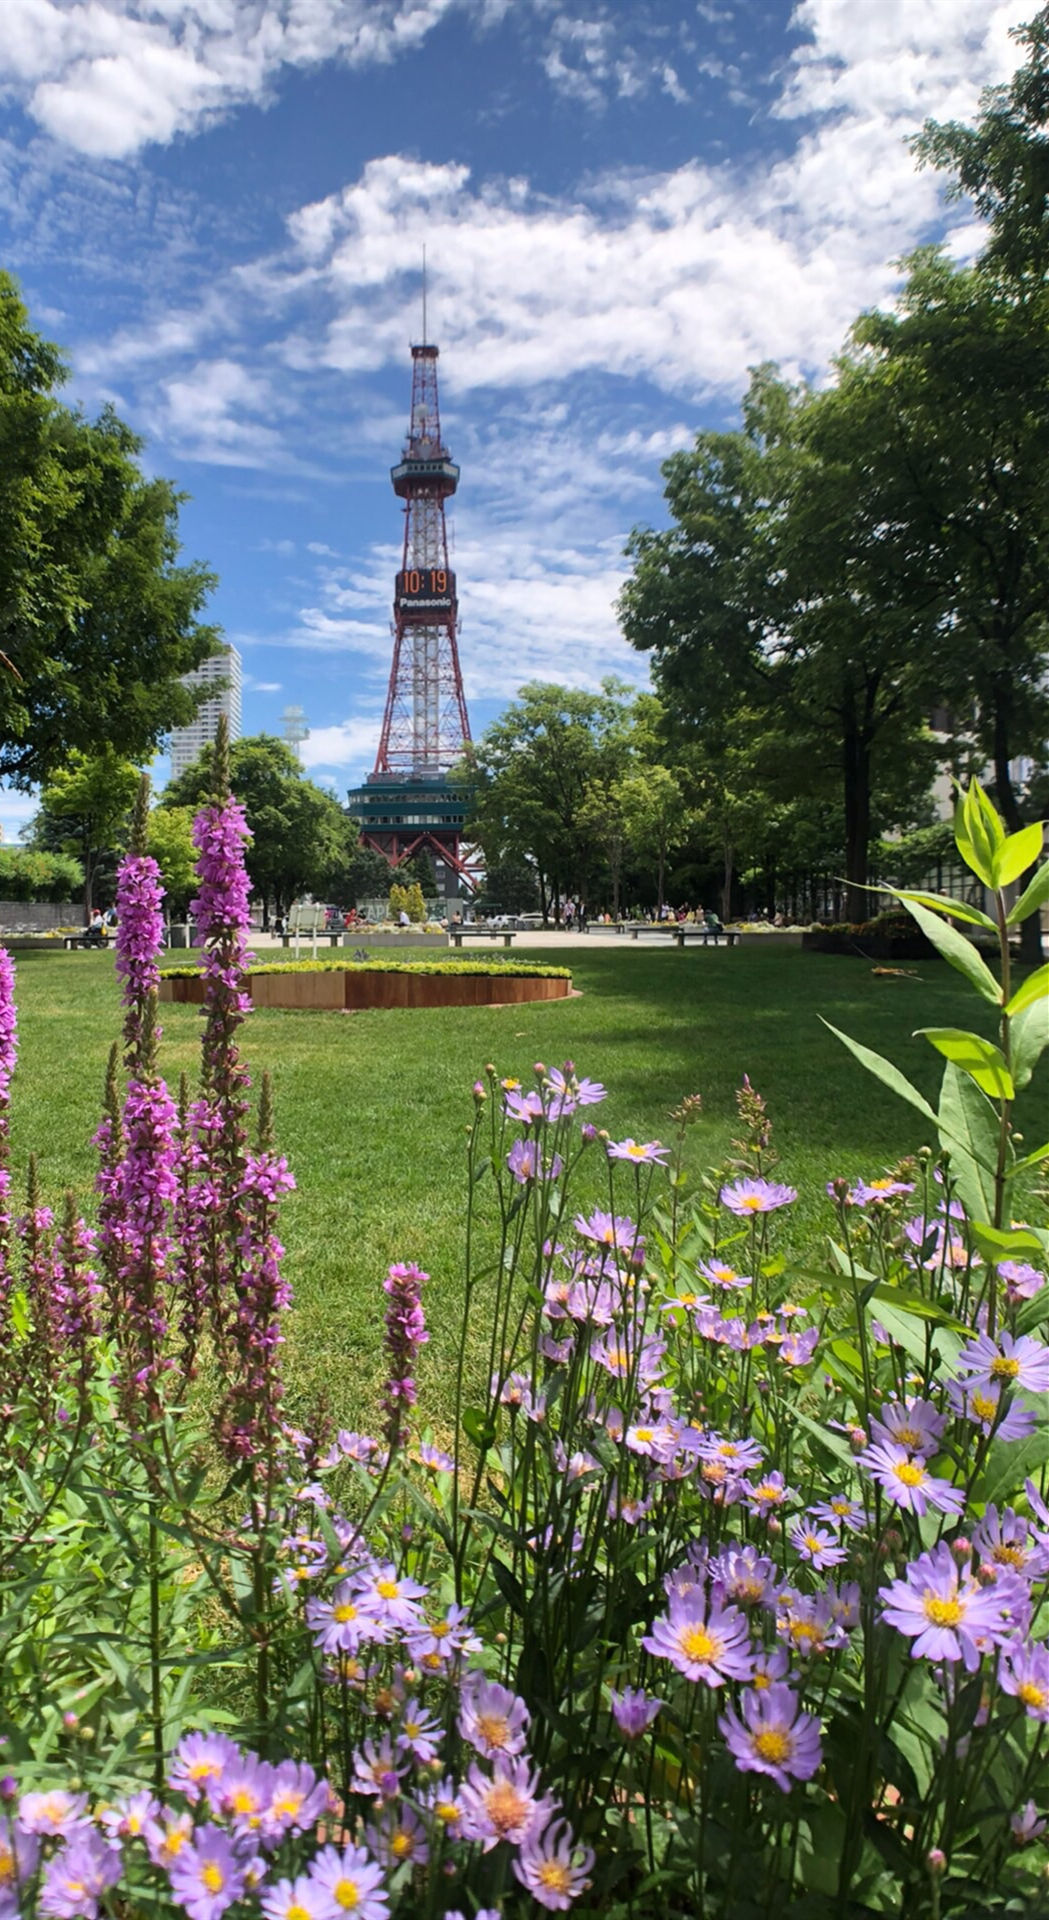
<point x="139" y="938"/>
<point x="251" y="1416"/>
<point x="8" y="1057"/>
<point x="405" y="1334"/>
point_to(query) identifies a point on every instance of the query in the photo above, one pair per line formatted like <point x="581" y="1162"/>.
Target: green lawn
<point x="372" y="1107"/>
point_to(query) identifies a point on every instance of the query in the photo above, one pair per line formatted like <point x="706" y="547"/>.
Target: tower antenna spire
<point x="424" y="293"/>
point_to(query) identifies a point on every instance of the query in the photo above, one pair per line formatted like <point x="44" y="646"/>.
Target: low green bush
<point x="492" y="964"/>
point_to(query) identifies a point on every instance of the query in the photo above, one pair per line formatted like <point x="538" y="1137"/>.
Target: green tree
<point x="655" y="817"/>
<point x="98" y="620"/>
<point x="169" y="838"/>
<point x="87" y="805"/>
<point x="776" y="591"/>
<point x="302" y="840"/>
<point x="536" y="769"/>
<point x="367" y="876"/>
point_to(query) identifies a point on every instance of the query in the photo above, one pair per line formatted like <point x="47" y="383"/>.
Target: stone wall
<point x="37" y="916"/>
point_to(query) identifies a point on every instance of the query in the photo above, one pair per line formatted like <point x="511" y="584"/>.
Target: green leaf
<point x="941" y="903"/>
<point x="984" y="830"/>
<point x="955" y="948"/>
<point x="1005" y="1243"/>
<point x="1035" y="987"/>
<point x="969" y="1130"/>
<point x="1019" y="852"/>
<point x="1028" y="1041"/>
<point x="982" y="1061"/>
<point x="883" y="1070"/>
<point x="478" y="1428"/>
<point x="1033" y="896"/>
<point x="901" y="1327"/>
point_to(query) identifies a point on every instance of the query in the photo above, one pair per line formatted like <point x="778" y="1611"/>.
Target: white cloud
<point x="351" y="744"/>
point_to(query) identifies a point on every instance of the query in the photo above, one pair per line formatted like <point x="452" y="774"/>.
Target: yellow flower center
<point x="1032" y="1695"/>
<point x="983" y="1406"/>
<point x="173" y="1843"/>
<point x="766" y="1491"/>
<point x="401" y="1844"/>
<point x="494" y="1729"/>
<point x="347" y="1894"/>
<point x="558" y="1878"/>
<point x="910" y="1473"/>
<point x="432" y="1662"/>
<point x="1009" y="1556"/>
<point x="387" y="1589"/>
<point x="687" y="1299"/>
<point x="813" y="1543"/>
<point x="441" y="1628"/>
<point x="772" y="1744"/>
<point x="760" y="1680"/>
<point x="7" y="1864"/>
<point x="297" y="1913"/>
<point x="751" y="1203"/>
<point x="203" y="1770"/>
<point x="447" y="1812"/>
<point x="288" y="1802"/>
<point x="942" y="1613"/>
<point x="243" y="1800"/>
<point x="1003" y="1368"/>
<point x="212" y="1877"/>
<point x="344" y="1611"/>
<point x="879" y="1186"/>
<point x="505" y="1807"/>
<point x="908" y="1436"/>
<point x="697" y="1644"/>
<point x="643" y="1433"/>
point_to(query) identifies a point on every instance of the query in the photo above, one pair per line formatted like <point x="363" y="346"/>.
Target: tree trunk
<point x="856" y="770"/>
<point x="726" y="884"/>
<point x="1009" y="808"/>
<point x="661" y="871"/>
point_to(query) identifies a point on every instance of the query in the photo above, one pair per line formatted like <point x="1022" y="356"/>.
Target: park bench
<point x="315" y="934"/>
<point x="309" y="923"/>
<point x="457" y="935"/>
<point x="707" y="936"/>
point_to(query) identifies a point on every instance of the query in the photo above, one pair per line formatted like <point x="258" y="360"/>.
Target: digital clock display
<point x="426" y="590"/>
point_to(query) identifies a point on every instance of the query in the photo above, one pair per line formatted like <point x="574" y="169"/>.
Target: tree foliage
<point x="302" y="840"/>
<point x="98" y="618"/>
<point x="86" y="807"/>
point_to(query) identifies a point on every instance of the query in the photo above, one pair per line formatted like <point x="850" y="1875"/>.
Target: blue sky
<point x="218" y="207"/>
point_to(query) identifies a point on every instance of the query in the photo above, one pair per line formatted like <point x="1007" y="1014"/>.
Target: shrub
<point x="726" y="1595"/>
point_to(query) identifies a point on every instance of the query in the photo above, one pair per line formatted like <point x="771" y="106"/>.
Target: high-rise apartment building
<point x="186" y="742"/>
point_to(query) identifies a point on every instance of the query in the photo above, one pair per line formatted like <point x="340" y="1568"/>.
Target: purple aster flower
<point x="209" y="1873"/>
<point x="649" y="1153"/>
<point x="1021" y="1362"/>
<point x="708" y="1643"/>
<point x="298" y="1899"/>
<point x="398" y="1838"/>
<point x="491" y="1718"/>
<point x="391" y="1596"/>
<point x="567" y="1092"/>
<point x="79" y="1874"/>
<point x="54" y="1815"/>
<point x="633" y="1710"/>
<point x="1022" y="1282"/>
<point x="351" y="1882"/>
<point x="909" y="1483"/>
<point x="526" y="1108"/>
<point x="817" y="1545"/>
<point x="982" y="1406"/>
<point x="721" y="1275"/>
<point x="739" y="1456"/>
<point x="798" y="1346"/>
<point x="200" y="1761"/>
<point x="774" y="1736"/>
<point x="809" y="1623"/>
<point x="297" y="1800"/>
<point x="526" y="1162"/>
<point x="554" y="1867"/>
<point x="19" y="1854"/>
<point x="419" y="1733"/>
<point x="507" y="1805"/>
<point x="914" y="1424"/>
<point x="438" y="1645"/>
<point x="1008" y="1540"/>
<point x="869" y="1193"/>
<point x="947" y="1614"/>
<point x="1023" y="1671"/>
<point x="609" y="1230"/>
<point x="436" y="1459"/>
<point x="346" y="1622"/>
<point x="379" y="1769"/>
<point x="748" y="1197"/>
<point x="764" y="1496"/>
<point x="243" y="1794"/>
<point x="840" y="1511"/>
<point x="1026" y="1825"/>
<point x="130" y="1815"/>
<point x="167" y="1835"/>
<point x="744" y="1576"/>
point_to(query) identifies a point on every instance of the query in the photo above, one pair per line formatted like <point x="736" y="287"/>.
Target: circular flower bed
<point x="361" y="984"/>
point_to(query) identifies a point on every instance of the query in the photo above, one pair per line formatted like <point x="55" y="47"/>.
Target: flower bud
<point x="961" y="1547"/>
<point x="8" y="1787"/>
<point x="70" y="1721"/>
<point x="479" y="1091"/>
<point x="936" y="1862"/>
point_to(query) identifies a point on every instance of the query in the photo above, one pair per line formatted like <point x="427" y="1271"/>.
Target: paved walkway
<point x="536" y="942"/>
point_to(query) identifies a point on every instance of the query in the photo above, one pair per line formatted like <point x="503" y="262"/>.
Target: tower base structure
<point x="422" y="814"/>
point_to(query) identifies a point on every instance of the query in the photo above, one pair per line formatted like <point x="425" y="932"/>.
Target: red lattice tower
<point x="425" y="726"/>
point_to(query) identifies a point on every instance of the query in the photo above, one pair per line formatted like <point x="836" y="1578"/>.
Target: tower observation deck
<point x="408" y="804"/>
